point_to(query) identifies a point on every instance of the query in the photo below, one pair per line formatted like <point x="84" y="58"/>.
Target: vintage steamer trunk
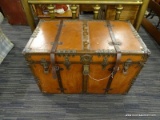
<point x="75" y="56"/>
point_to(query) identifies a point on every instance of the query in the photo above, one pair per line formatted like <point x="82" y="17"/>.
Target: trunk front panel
<point x="98" y="78"/>
<point x="45" y="81"/>
<point x="72" y="78"/>
<point x="123" y="81"/>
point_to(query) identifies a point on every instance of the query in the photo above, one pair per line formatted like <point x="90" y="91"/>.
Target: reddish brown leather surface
<point x="46" y="82"/>
<point x="71" y="36"/>
<point x="44" y="36"/>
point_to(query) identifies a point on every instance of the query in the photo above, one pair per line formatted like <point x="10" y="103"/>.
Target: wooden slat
<point x="133" y="2"/>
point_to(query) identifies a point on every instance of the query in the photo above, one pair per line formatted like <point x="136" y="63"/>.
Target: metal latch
<point x="45" y="65"/>
<point x="104" y="63"/>
<point x="126" y="66"/>
<point x="85" y="69"/>
<point x="67" y="63"/>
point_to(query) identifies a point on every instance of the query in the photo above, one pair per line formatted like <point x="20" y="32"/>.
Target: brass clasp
<point x="86" y="59"/>
<point x="85" y="69"/>
<point x="126" y="66"/>
<point x="45" y="65"/>
<point x="85" y="45"/>
<point x="67" y="63"/>
<point x="104" y="63"/>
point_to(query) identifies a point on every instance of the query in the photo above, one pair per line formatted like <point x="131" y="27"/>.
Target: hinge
<point x="108" y="52"/>
<point x="67" y="63"/>
<point x="85" y="69"/>
<point x="66" y="52"/>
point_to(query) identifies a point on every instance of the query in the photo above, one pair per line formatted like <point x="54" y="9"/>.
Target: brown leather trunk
<point x="75" y="56"/>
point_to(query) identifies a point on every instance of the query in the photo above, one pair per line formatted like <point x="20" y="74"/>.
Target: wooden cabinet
<point x="141" y="3"/>
<point x="41" y="11"/>
<point x="129" y="12"/>
<point x="13" y="11"/>
<point x="86" y="8"/>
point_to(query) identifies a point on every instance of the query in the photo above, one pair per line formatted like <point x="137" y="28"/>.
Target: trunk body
<point x="75" y="56"/>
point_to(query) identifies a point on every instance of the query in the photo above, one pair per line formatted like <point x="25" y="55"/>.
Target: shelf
<point x="38" y="11"/>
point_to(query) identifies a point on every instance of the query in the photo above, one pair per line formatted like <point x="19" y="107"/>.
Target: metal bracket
<point x="67" y="63"/>
<point x="85" y="45"/>
<point x="45" y="65"/>
<point x="66" y="52"/>
<point x="115" y="43"/>
<point x="85" y="69"/>
<point x="86" y="59"/>
<point x="104" y="63"/>
<point x="126" y="66"/>
<point x="104" y="52"/>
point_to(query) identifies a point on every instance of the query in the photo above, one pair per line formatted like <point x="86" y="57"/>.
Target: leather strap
<point x="52" y="54"/>
<point x="57" y="68"/>
<point x="116" y="67"/>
